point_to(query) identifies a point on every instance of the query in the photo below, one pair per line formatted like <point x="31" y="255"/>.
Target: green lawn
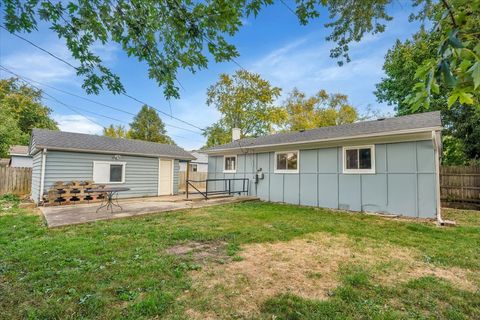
<point x="120" y="269"/>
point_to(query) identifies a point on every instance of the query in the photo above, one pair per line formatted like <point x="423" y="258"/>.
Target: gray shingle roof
<point x="60" y="140"/>
<point x="411" y="122"/>
<point x="18" y="150"/>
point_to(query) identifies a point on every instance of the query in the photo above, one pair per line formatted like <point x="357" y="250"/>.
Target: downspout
<point x="437" y="147"/>
<point x="42" y="175"/>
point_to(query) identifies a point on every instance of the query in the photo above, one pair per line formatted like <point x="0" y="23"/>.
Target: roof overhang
<point x="20" y="154"/>
<point x="39" y="147"/>
<point x="384" y="137"/>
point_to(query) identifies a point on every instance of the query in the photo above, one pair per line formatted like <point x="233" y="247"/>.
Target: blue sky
<point x="274" y="45"/>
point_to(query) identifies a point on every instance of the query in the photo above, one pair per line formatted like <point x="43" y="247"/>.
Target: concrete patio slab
<point x="82" y="213"/>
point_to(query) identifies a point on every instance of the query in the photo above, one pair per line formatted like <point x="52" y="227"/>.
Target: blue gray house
<point x="147" y="168"/>
<point x="386" y="166"/>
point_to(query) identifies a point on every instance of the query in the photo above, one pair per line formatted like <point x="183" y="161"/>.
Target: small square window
<point x="108" y="172"/>
<point x="286" y="162"/>
<point x="193" y="167"/>
<point x="116" y="171"/>
<point x="230" y="164"/>
<point x="359" y="159"/>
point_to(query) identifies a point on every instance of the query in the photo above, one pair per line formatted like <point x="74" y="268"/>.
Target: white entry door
<point x="165" y="177"/>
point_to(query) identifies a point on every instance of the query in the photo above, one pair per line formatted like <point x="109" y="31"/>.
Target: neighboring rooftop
<point x="69" y="141"/>
<point x="200" y="155"/>
<point x="18" y="151"/>
<point x="415" y="122"/>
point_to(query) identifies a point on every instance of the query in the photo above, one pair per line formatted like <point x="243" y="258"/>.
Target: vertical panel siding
<point x="404" y="182"/>
<point x="141" y="173"/>
<point x="36" y="172"/>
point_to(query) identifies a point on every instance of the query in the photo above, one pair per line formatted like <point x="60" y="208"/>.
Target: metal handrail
<point x="227" y="186"/>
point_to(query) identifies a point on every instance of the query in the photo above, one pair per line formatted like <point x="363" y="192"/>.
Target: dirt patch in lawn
<point x="308" y="267"/>
<point x="202" y="252"/>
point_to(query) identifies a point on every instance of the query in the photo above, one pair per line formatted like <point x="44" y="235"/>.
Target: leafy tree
<point x="217" y="134"/>
<point x="10" y="133"/>
<point x="116" y="132"/>
<point x="245" y="101"/>
<point x="21" y="110"/>
<point x="462" y="123"/>
<point x="184" y="34"/>
<point x="148" y="126"/>
<point x="401" y="63"/>
<point x="456" y="63"/>
<point x="321" y="110"/>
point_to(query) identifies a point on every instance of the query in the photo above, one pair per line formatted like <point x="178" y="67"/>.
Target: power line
<point x="123" y="93"/>
<point x="89" y="100"/>
<point x="60" y="102"/>
<point x="289" y="8"/>
<point x="75" y="109"/>
<point x="40" y="48"/>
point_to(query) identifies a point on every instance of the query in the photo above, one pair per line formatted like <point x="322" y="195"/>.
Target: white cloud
<point x="307" y="65"/>
<point x="40" y="66"/>
<point x="77" y="123"/>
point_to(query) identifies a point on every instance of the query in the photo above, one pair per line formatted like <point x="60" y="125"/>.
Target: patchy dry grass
<point x="259" y="260"/>
<point x="201" y="253"/>
<point x="309" y="268"/>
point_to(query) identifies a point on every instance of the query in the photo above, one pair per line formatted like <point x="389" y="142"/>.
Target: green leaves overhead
<point x="475" y="72"/>
<point x="457" y="61"/>
<point x="173" y="35"/>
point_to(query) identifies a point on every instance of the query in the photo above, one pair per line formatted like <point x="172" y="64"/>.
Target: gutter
<point x="437" y="147"/>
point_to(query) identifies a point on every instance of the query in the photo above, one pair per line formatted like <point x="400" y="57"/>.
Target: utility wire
<point x="40" y="48"/>
<point x="123" y="93"/>
<point x="60" y="102"/>
<point x="63" y="104"/>
<point x="88" y="99"/>
<point x="75" y="109"/>
<point x="289" y="8"/>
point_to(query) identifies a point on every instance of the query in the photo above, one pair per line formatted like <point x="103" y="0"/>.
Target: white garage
<point x="145" y="168"/>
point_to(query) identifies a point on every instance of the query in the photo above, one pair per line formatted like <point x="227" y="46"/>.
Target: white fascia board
<point x="120" y="152"/>
<point x="395" y="136"/>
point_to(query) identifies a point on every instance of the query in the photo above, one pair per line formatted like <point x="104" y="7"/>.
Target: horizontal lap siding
<point x="404" y="182"/>
<point x="141" y="173"/>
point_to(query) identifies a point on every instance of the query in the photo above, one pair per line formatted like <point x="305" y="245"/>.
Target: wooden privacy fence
<point x="460" y="184"/>
<point x="15" y="180"/>
<point x="192" y="176"/>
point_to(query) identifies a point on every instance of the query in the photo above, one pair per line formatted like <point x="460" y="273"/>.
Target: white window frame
<point x="194" y="165"/>
<point x="236" y="163"/>
<point x="124" y="164"/>
<point x="359" y="171"/>
<point x="286" y="170"/>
